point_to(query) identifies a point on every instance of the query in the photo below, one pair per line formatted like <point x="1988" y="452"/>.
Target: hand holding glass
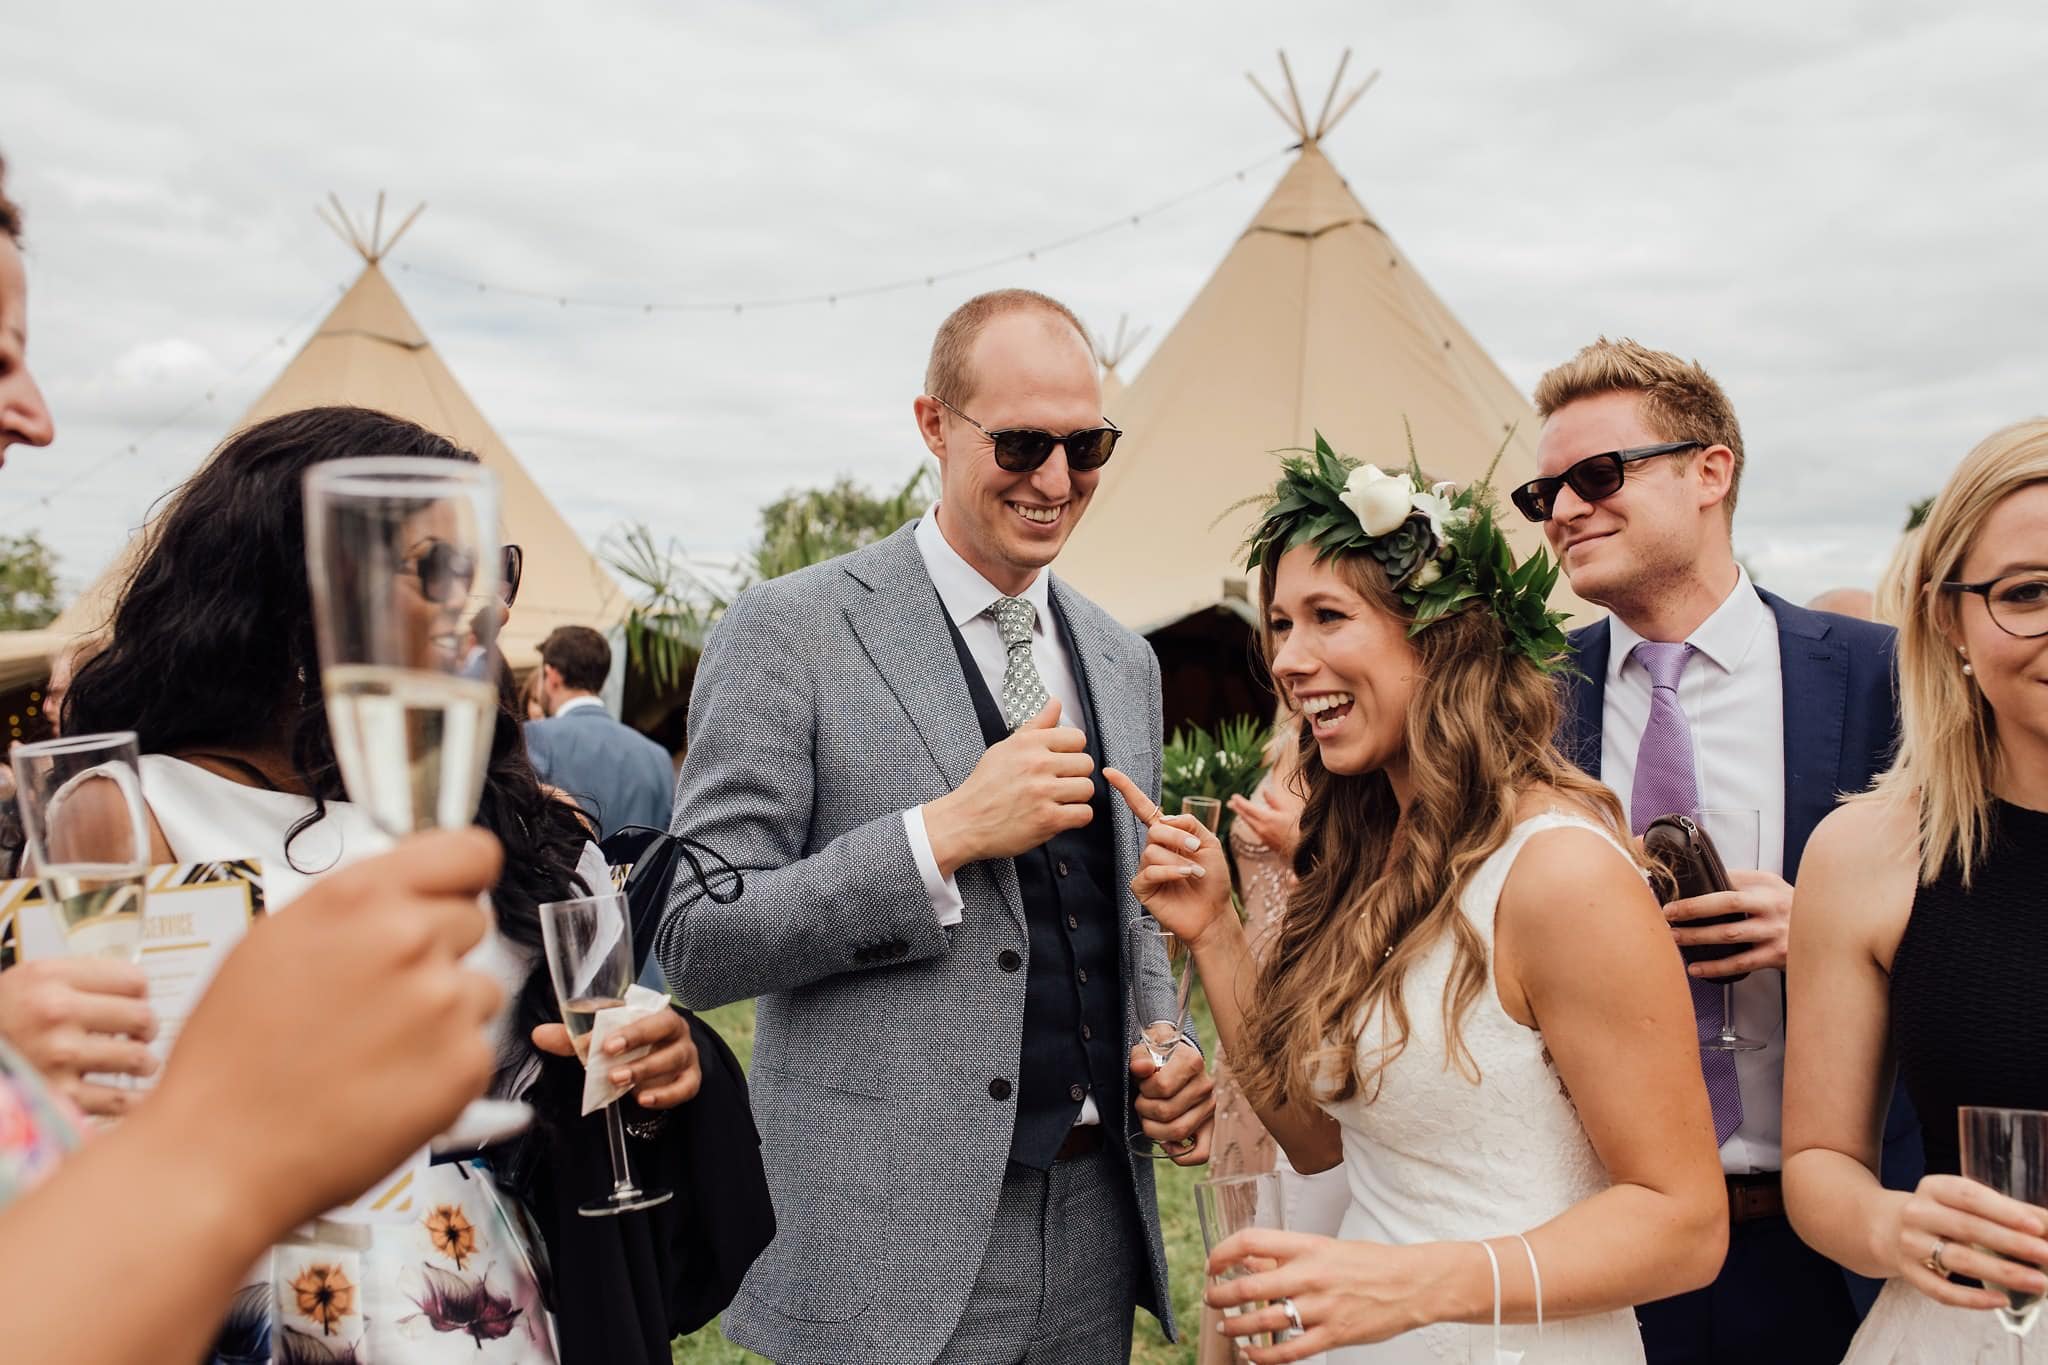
<point x="1227" y="1205"/>
<point x="403" y="561"/>
<point x="1159" y="974"/>
<point x="1738" y="838"/>
<point x="589" y="947"/>
<point x="2007" y="1149"/>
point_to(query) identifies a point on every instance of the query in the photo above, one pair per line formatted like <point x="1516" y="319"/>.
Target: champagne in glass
<point x="589" y="947"/>
<point x="86" y="834"/>
<point x="1738" y="837"/>
<point x="1207" y="809"/>
<point x="2007" y="1149"/>
<point x="403" y="561"/>
<point x="1229" y="1204"/>
<point x="1159" y="972"/>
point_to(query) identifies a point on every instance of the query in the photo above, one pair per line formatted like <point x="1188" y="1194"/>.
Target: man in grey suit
<point x="903" y="748"/>
<point x="618" y="775"/>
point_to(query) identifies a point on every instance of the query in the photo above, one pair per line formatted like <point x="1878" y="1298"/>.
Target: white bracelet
<point x="1494" y="1261"/>
<point x="1537" y="1276"/>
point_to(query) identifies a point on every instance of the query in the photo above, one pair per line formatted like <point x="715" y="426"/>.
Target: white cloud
<point x="1836" y="206"/>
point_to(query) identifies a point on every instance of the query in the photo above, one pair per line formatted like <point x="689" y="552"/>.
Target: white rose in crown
<point x="1378" y="499"/>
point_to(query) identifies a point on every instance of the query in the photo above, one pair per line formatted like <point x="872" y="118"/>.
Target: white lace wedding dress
<point x="1436" y="1157"/>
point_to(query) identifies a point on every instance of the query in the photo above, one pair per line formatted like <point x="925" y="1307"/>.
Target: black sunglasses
<point x="514" y="566"/>
<point x="1024" y="449"/>
<point x="445" y="573"/>
<point x="1593" y="478"/>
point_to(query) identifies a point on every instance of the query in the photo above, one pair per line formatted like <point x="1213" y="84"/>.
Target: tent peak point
<point x="1295" y="114"/>
<point x="373" y="246"/>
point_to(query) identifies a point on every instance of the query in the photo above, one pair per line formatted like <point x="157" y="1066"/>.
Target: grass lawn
<point x="1176" y="1211"/>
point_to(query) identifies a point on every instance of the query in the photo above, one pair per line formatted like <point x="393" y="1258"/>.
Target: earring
<point x="1968" y="671"/>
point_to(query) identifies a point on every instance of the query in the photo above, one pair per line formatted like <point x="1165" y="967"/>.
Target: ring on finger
<point x="1293" y="1313"/>
<point x="1933" y="1261"/>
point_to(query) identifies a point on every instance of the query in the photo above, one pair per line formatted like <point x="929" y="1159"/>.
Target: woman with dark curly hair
<point x="211" y="660"/>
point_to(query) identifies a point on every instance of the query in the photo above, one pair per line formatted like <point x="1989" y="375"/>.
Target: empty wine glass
<point x="86" y="834"/>
<point x="1160" y="981"/>
<point x="1738" y="838"/>
<point x="1207" y="809"/>
<point x="2007" y="1149"/>
<point x="589" y="947"/>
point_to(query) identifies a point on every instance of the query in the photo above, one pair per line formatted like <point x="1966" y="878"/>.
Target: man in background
<point x="618" y="775"/>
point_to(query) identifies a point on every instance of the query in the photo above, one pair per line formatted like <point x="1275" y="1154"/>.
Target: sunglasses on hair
<point x="508" y="581"/>
<point x="445" y="573"/>
<point x="1023" y="449"/>
<point x="1593" y="478"/>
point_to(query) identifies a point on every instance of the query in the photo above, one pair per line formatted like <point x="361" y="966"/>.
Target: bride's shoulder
<point x="1569" y="838"/>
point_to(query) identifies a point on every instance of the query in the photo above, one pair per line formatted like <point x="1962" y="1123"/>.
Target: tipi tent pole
<point x="1323" y="119"/>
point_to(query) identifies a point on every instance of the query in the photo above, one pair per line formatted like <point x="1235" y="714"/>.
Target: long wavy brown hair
<point x="1480" y="735"/>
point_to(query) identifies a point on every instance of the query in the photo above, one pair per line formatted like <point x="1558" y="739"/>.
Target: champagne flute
<point x="86" y="833"/>
<point x="1207" y="809"/>
<point x="1229" y="1204"/>
<point x="2007" y="1149"/>
<point x="402" y="559"/>
<point x="1160" y="982"/>
<point x="1737" y="837"/>
<point x="589" y="947"/>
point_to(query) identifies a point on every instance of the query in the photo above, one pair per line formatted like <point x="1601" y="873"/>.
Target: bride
<point x="1472" y="1002"/>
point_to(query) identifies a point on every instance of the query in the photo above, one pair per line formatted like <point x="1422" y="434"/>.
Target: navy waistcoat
<point x="1073" y="1041"/>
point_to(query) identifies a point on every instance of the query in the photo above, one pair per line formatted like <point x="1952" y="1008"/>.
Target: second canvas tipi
<point x="1315" y="321"/>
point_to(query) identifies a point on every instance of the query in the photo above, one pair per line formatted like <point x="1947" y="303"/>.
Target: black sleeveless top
<point x="1969" y="979"/>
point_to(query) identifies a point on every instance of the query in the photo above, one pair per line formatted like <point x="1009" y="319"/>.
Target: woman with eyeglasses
<point x="1918" y="934"/>
<point x="212" y="663"/>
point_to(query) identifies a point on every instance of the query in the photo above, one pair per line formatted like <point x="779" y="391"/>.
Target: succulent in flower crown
<point x="1439" y="544"/>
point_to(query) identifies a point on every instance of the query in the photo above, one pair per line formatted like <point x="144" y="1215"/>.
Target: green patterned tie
<point x="1024" y="693"/>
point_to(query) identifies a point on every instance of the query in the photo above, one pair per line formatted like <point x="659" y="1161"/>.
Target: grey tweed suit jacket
<point x="827" y="703"/>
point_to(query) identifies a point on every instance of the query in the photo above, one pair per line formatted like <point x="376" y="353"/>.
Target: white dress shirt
<point x="587" y="700"/>
<point x="1732" y="693"/>
<point x="966" y="597"/>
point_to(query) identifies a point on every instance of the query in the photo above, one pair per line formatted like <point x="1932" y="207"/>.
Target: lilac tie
<point x="1666" y="785"/>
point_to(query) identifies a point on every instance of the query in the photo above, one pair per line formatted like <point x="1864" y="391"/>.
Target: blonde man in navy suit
<point x="1757" y="704"/>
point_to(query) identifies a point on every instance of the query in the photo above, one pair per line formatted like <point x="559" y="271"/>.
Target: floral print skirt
<point x="458" y="1282"/>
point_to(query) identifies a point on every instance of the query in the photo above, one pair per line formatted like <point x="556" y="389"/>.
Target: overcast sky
<point x="1840" y="208"/>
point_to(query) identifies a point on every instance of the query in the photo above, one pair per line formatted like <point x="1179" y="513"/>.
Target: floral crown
<point x="1437" y="543"/>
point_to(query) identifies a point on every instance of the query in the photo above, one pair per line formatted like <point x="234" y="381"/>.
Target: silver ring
<point x="1293" y="1313"/>
<point x="1933" y="1261"/>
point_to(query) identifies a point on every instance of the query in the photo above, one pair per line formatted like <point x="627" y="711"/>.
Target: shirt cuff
<point x="942" y="892"/>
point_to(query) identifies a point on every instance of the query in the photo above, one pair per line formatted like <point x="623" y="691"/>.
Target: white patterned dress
<point x="1434" y="1157"/>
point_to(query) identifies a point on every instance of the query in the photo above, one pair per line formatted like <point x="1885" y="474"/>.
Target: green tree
<point x="28" y="583"/>
<point x="808" y="526"/>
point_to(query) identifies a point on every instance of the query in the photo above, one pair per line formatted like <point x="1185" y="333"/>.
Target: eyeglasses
<point x="508" y="581"/>
<point x="445" y="573"/>
<point x="2018" y="602"/>
<point x="1024" y="449"/>
<point x="1593" y="478"/>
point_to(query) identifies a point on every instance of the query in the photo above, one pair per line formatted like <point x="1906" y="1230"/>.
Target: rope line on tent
<point x="833" y="297"/>
<point x="133" y="448"/>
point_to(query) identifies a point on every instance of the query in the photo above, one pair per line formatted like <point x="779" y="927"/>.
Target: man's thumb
<point x="1048" y="717"/>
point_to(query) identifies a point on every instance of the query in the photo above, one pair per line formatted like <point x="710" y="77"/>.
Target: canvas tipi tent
<point x="1115" y="354"/>
<point x="369" y="351"/>
<point x="1315" y="321"/>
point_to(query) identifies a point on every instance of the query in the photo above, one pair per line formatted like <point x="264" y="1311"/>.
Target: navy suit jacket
<point x="618" y="775"/>
<point x="1841" y="730"/>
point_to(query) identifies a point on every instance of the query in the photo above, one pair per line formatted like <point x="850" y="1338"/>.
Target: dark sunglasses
<point x="1024" y="449"/>
<point x="514" y="566"/>
<point x="445" y="573"/>
<point x="1593" y="478"/>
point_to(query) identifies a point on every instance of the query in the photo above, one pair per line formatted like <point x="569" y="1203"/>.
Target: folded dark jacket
<point x="623" y="1287"/>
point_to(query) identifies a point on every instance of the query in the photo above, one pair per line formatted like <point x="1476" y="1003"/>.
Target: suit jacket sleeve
<point x="747" y="790"/>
